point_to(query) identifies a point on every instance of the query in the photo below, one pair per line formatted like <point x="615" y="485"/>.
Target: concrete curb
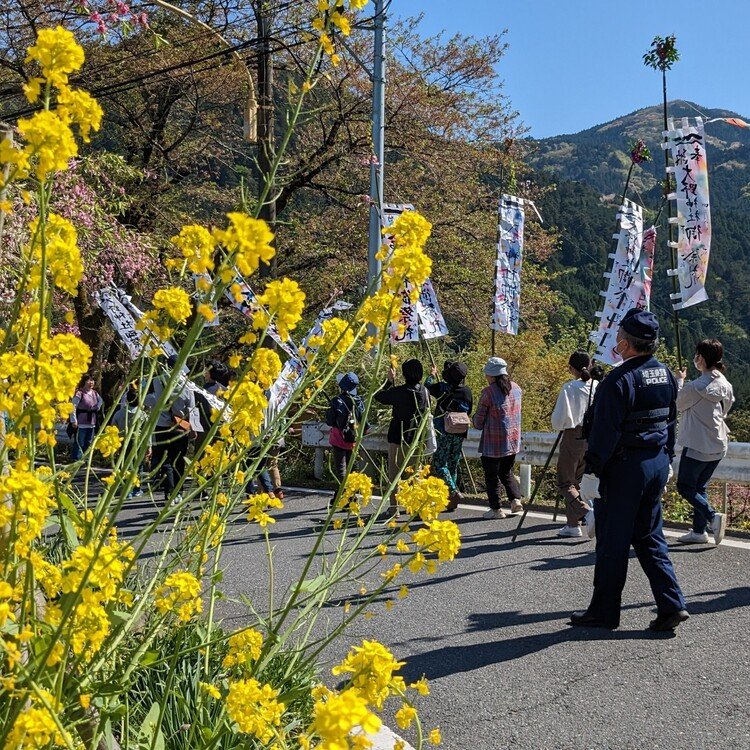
<point x="385" y="739"/>
<point x="675" y="531"/>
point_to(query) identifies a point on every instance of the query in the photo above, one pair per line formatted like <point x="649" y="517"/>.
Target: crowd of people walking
<point x="617" y="440"/>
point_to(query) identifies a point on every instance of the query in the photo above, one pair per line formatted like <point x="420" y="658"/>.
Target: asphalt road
<point x="490" y="632"/>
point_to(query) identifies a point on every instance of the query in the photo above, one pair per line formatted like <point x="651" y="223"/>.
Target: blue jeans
<point x="692" y="482"/>
<point x="81" y="441"/>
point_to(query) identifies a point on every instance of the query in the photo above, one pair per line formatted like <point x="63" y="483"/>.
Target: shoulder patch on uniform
<point x="655" y="376"/>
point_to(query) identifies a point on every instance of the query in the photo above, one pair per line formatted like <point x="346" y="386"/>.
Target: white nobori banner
<point x="423" y="315"/>
<point x="507" y="297"/>
<point x="124" y="314"/>
<point x="629" y="280"/>
<point x="687" y="145"/>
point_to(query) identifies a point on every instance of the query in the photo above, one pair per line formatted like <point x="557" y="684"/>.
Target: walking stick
<point x="468" y="471"/>
<point x="538" y="484"/>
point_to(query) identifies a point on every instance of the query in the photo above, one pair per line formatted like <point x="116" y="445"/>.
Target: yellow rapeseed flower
<point x="180" y="592"/>
<point x="79" y="107"/>
<point x="247" y="240"/>
<point x="197" y="245"/>
<point x="244" y="648"/>
<point x="265" y="367"/>
<point x="49" y="140"/>
<point x="108" y="441"/>
<point x="175" y="302"/>
<point x="60" y="251"/>
<point x="335" y="716"/>
<point x="257" y="506"/>
<point x="284" y="301"/>
<point x="422" y="496"/>
<point x="405" y="716"/>
<point x="58" y="54"/>
<point x="442" y="537"/>
<point x="372" y="669"/>
<point x="255" y="709"/>
<point x="27" y="503"/>
<point x="210" y="690"/>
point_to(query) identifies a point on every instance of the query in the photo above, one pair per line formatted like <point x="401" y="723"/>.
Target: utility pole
<point x="266" y="123"/>
<point x="377" y="167"/>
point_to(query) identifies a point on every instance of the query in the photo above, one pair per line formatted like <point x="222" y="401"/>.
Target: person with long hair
<point x="703" y="405"/>
<point x="499" y="418"/>
<point x="567" y="417"/>
<point x="87" y="403"/>
<point x="452" y="396"/>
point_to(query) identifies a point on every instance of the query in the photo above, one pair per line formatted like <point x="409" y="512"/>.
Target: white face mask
<point x="617" y="348"/>
<point x="696" y="362"/>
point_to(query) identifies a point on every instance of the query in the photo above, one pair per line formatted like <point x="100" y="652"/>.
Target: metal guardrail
<point x="535" y="447"/>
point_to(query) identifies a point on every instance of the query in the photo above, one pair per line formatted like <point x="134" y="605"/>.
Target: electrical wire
<point x="128" y="84"/>
<point x="98" y="71"/>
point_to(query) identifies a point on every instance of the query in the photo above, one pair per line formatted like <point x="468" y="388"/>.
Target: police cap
<point x="641" y="324"/>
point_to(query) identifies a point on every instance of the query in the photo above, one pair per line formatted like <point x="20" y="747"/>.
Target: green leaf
<point x="69" y="532"/>
<point x="119" y="617"/>
<point x="148" y="729"/>
<point x="310" y="584"/>
<point x="149" y="658"/>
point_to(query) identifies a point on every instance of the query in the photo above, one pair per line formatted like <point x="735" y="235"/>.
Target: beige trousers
<point x="570" y="466"/>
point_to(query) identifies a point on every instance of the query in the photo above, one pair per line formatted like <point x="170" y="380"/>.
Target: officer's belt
<point x="655" y="419"/>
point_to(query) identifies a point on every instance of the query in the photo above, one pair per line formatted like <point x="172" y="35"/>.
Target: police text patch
<point x="655" y="376"/>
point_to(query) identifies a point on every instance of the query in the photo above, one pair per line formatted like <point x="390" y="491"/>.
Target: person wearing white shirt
<point x="567" y="417"/>
<point x="703" y="404"/>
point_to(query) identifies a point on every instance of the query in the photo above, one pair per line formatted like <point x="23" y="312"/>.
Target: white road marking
<point x="671" y="533"/>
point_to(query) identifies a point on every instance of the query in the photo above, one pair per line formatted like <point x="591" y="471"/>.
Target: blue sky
<point x="577" y="63"/>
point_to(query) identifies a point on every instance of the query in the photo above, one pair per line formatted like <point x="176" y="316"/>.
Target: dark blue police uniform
<point x="630" y="448"/>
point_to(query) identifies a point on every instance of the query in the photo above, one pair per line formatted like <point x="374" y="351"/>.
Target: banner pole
<point x="429" y="352"/>
<point x="672" y="251"/>
<point x="622" y="203"/>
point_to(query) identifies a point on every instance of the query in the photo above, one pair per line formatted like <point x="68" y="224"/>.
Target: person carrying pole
<point x="567" y="417"/>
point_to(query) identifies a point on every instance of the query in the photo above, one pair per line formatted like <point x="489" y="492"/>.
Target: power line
<point x="127" y="84"/>
<point x="100" y="69"/>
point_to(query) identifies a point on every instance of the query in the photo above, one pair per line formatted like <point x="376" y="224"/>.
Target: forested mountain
<point x="588" y="173"/>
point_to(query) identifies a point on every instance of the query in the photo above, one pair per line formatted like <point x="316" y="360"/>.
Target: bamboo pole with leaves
<point x="662" y="55"/>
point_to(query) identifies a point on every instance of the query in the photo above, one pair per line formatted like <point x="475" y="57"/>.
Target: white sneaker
<point x="516" y="507"/>
<point x="176" y="500"/>
<point x="692" y="538"/>
<point x="571" y="531"/>
<point x="719" y="527"/>
<point x="492" y="513"/>
<point x="590" y="524"/>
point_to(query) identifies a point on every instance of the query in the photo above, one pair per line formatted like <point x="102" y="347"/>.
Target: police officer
<point x="630" y="449"/>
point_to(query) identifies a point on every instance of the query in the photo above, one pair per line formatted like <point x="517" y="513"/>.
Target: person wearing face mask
<point x="628" y="463"/>
<point x="703" y="404"/>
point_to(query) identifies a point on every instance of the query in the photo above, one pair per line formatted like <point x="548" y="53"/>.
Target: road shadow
<point x="733" y="598"/>
<point x="451" y="660"/>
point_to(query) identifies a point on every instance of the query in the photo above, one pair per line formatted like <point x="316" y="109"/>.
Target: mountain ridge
<point x="599" y="155"/>
<point x="586" y="173"/>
